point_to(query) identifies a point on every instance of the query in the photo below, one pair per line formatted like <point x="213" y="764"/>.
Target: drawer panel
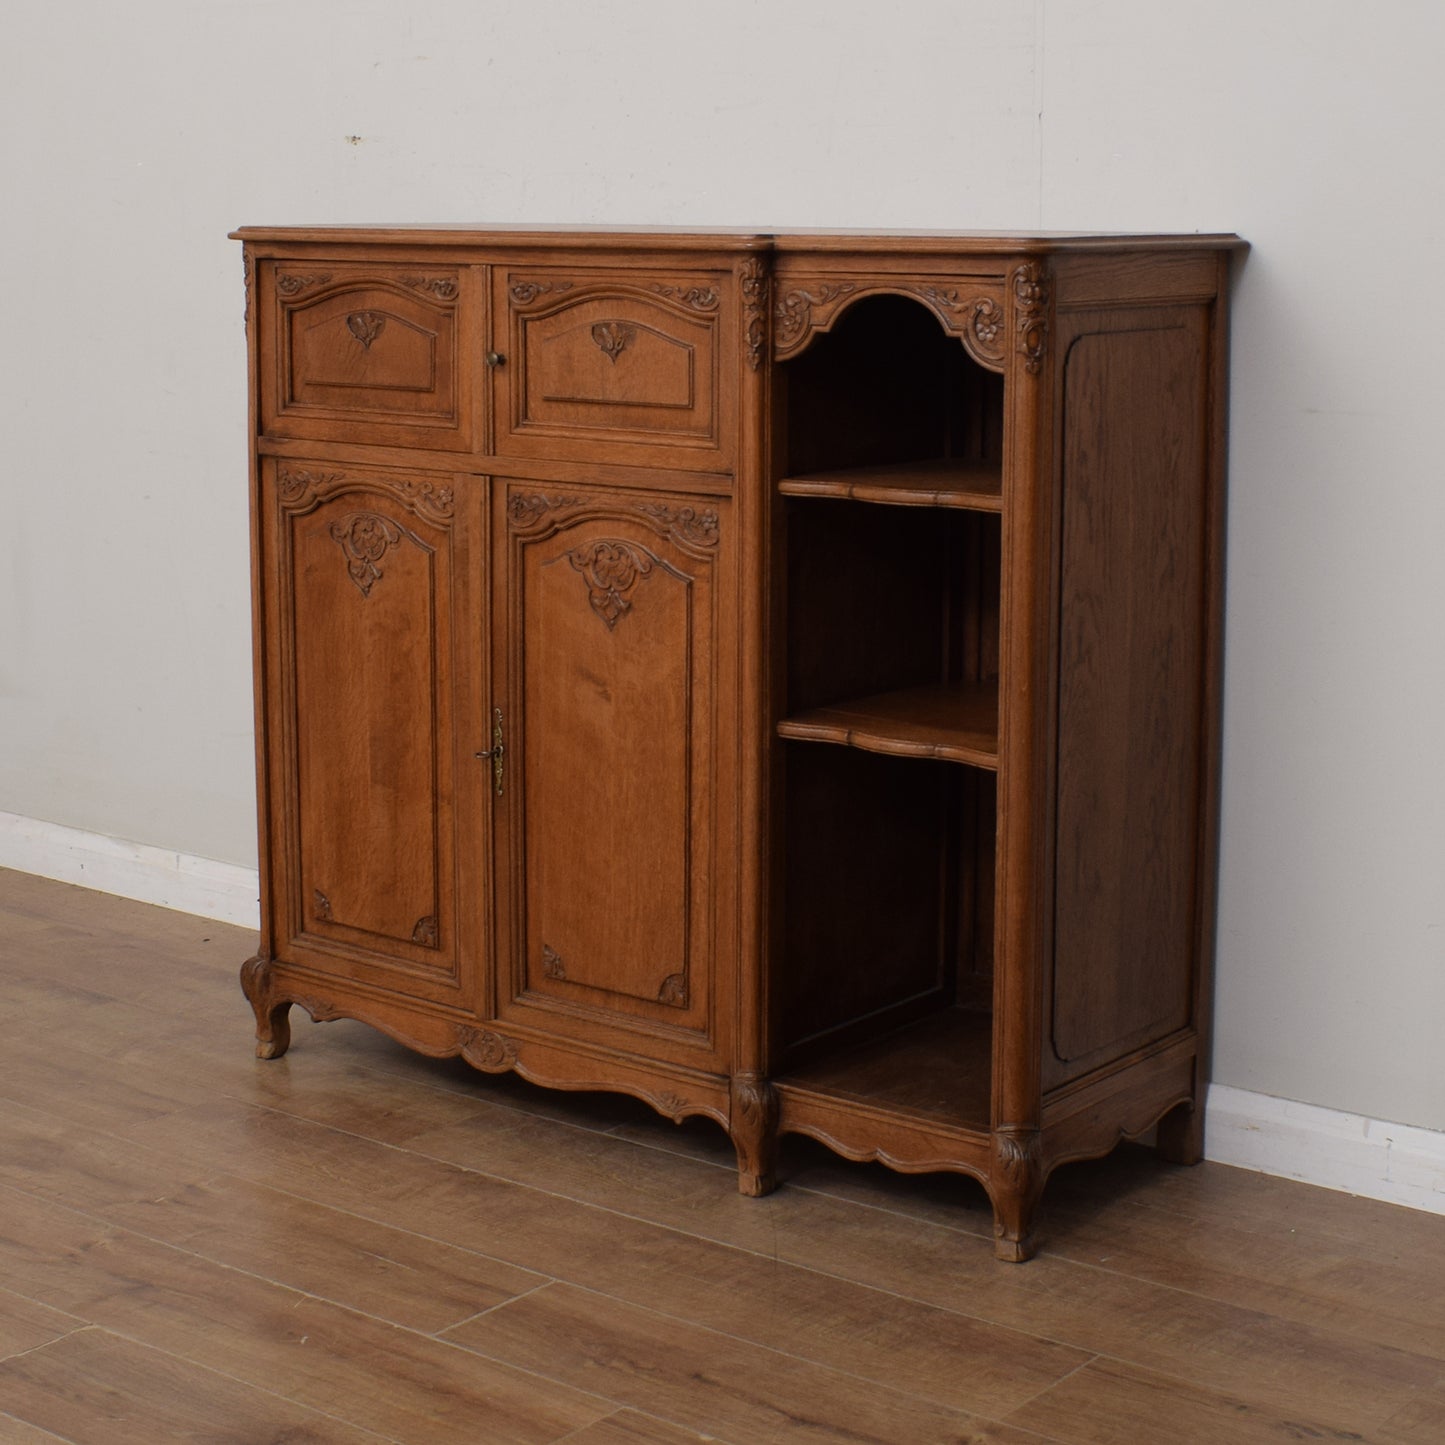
<point x="366" y="352"/>
<point x="618" y="366"/>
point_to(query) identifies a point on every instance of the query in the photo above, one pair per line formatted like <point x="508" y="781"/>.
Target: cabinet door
<point x="368" y="352"/>
<point x="369" y="616"/>
<point x="620" y="366"/>
<point x="615" y="667"/>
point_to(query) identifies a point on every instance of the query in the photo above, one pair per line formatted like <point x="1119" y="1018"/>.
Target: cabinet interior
<point x="890" y="475"/>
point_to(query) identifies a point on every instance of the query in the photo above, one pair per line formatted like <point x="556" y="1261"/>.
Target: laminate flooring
<point x="356" y="1244"/>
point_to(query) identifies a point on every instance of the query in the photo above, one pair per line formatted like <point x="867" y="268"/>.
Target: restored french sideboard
<point x="775" y="676"/>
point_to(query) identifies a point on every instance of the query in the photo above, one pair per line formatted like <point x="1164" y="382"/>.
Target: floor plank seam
<point x="80" y="1329"/>
<point x="40" y="1429"/>
<point x="491" y="1309"/>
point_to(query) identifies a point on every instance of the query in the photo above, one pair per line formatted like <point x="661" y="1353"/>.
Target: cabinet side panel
<point x="1133" y="525"/>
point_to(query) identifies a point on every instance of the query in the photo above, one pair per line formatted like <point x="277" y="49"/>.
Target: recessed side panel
<point x="1133" y="537"/>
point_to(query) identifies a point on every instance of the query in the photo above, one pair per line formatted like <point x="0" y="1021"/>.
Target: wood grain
<point x="203" y="1225"/>
<point x="96" y="1388"/>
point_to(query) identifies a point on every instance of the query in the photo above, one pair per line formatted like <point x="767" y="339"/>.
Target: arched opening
<point x="887" y="384"/>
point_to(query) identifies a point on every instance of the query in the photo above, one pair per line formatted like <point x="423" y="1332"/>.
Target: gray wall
<point x="135" y="135"/>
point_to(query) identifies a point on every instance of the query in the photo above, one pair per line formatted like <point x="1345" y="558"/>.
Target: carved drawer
<point x="624" y="367"/>
<point x="366" y="353"/>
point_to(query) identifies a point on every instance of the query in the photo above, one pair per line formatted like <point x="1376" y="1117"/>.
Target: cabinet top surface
<point x="983" y="243"/>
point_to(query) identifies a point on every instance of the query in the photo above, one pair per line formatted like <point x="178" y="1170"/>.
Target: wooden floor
<point x="355" y="1244"/>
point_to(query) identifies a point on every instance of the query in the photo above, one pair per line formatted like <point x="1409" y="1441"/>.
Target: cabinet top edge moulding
<point x="629" y="238"/>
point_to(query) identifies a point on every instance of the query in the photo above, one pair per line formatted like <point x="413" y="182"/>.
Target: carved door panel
<point x="617" y="778"/>
<point x="372" y="353"/>
<point x="369" y="614"/>
<point x="615" y="366"/>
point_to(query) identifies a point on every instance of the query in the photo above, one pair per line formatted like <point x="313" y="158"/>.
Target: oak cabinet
<point x="773" y="676"/>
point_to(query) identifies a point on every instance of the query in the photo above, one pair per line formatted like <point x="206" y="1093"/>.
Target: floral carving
<point x="755" y="1105"/>
<point x="524" y="508"/>
<point x="434" y="498"/>
<point x="425" y="932"/>
<point x="486" y="1050"/>
<point x="365" y="326"/>
<point x="987" y="321"/>
<point x="1031" y="305"/>
<point x="673" y="1105"/>
<point x="321" y="905"/>
<point x="365" y="539"/>
<point x="753" y="285"/>
<point x="248" y="274"/>
<point x="794" y="312"/>
<point x="552" y="965"/>
<point x="523" y="293"/>
<point x="291" y="284"/>
<point x="686" y="523"/>
<point x="613" y="338"/>
<point x="296" y="485"/>
<point x="611" y="569"/>
<point x="700" y="298"/>
<point x="673" y="991"/>
<point x="444" y="288"/>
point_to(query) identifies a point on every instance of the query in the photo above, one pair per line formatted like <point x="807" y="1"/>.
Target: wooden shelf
<point x="954" y="721"/>
<point x="938" y="1069"/>
<point x="942" y="482"/>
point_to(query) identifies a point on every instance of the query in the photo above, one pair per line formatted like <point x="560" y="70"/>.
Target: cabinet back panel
<point x="1131" y="682"/>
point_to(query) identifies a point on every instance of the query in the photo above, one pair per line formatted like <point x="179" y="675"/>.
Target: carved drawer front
<point x="362" y="599"/>
<point x="365" y="353"/>
<point x="615" y="703"/>
<point x="616" y="367"/>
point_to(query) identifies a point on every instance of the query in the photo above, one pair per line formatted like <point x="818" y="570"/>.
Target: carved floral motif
<point x="1031" y="306"/>
<point x="523" y="293"/>
<point x="321" y="905"/>
<point x="685" y="523"/>
<point x="753" y="287"/>
<point x="673" y="991"/>
<point x="444" y="288"/>
<point x="294" y="486"/>
<point x="486" y="1050"/>
<point x="428" y="498"/>
<point x="613" y="338"/>
<point x="793" y="314"/>
<point x="611" y="569"/>
<point x="365" y="326"/>
<point x="552" y="965"/>
<point x="524" y="509"/>
<point x="700" y="298"/>
<point x="365" y="538"/>
<point x="425" y="932"/>
<point x="290" y="284"/>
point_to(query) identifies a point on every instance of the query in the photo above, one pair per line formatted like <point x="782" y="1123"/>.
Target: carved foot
<point x="1018" y="1180"/>
<point x="754" y="1130"/>
<point x="1180" y="1136"/>
<point x="273" y="1017"/>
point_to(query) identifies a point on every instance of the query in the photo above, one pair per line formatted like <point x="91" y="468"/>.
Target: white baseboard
<point x="223" y="891"/>
<point x="1393" y="1162"/>
<point x="1398" y="1163"/>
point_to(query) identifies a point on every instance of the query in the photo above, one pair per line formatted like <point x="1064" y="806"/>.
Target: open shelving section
<point x="888" y="467"/>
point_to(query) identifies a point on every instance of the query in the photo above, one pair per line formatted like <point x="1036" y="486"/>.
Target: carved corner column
<point x="753" y="1122"/>
<point x="1018" y="1166"/>
<point x="273" y="1015"/>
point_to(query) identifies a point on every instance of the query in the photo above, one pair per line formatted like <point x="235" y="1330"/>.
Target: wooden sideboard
<point x="776" y="676"/>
